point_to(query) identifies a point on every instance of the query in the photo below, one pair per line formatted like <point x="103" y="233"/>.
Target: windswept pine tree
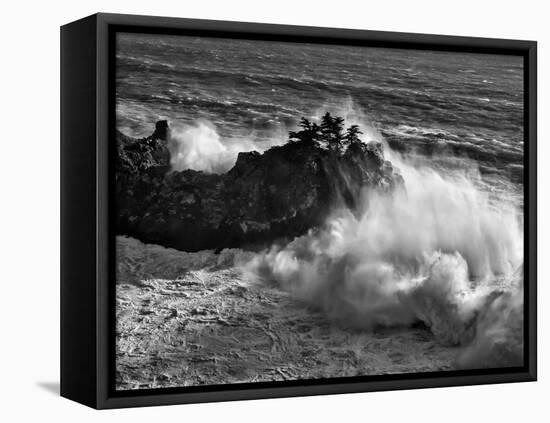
<point x="330" y="131"/>
<point x="352" y="134"/>
<point x="309" y="133"/>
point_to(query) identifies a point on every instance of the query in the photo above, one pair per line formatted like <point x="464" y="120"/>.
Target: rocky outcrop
<point x="264" y="198"/>
<point x="138" y="155"/>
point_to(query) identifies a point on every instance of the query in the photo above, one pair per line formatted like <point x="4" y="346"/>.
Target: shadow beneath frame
<point x="51" y="387"/>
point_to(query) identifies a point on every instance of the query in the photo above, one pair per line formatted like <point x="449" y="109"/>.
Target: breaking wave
<point x="440" y="251"/>
<point x="200" y="147"/>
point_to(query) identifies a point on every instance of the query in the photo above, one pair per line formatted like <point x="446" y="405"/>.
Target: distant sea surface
<point x="470" y="104"/>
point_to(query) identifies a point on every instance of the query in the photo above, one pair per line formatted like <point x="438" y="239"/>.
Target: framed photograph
<point x="253" y="211"/>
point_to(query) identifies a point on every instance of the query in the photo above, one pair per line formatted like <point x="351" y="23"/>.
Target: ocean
<point x="470" y="104"/>
<point x="447" y="251"/>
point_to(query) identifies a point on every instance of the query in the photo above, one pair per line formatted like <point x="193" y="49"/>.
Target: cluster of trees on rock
<point x="331" y="131"/>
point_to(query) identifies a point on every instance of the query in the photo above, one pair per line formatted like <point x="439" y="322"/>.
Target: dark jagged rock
<point x="279" y="194"/>
<point x="137" y="155"/>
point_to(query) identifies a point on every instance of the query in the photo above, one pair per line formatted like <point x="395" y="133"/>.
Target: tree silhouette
<point x="332" y="129"/>
<point x="352" y="134"/>
<point x="310" y="132"/>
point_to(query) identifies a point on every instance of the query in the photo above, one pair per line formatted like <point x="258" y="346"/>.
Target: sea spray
<point x="499" y="338"/>
<point x="440" y="251"/>
<point x="199" y="146"/>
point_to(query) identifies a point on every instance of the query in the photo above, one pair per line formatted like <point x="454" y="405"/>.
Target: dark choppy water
<point x="470" y="104"/>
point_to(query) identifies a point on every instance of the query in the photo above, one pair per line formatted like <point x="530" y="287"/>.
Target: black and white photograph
<point x="294" y="211"/>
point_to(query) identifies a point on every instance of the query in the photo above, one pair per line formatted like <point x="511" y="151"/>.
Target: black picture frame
<point x="87" y="241"/>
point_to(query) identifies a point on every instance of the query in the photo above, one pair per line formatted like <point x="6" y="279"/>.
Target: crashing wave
<point x="440" y="252"/>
